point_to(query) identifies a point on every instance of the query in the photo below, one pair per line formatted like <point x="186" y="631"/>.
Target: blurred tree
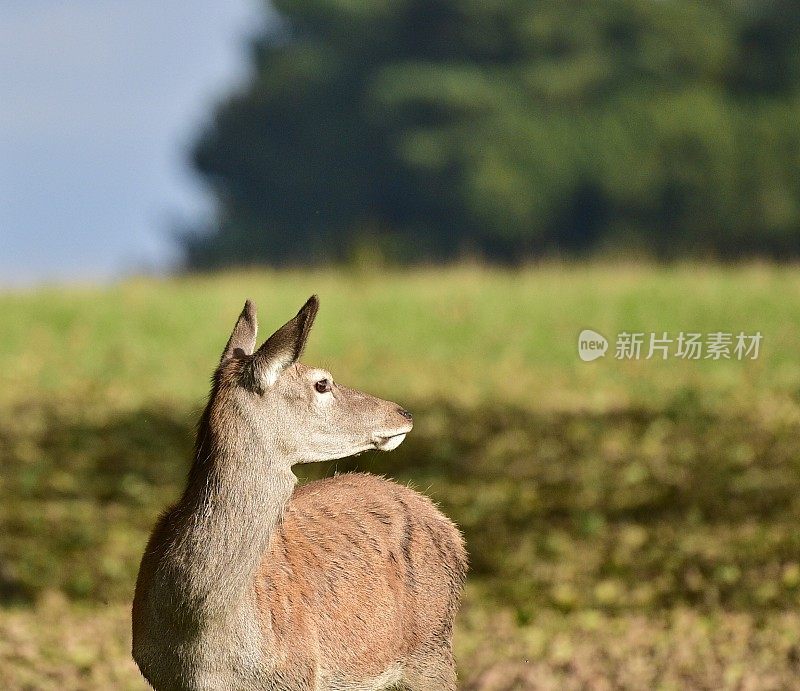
<point x="429" y="128"/>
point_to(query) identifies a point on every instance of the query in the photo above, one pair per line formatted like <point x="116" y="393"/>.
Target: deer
<point x="254" y="581"/>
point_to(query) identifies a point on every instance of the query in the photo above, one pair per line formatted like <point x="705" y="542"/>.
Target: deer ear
<point x="243" y="337"/>
<point x="286" y="345"/>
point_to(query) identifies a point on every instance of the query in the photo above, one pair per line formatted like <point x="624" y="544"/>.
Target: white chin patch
<point x="392" y="442"/>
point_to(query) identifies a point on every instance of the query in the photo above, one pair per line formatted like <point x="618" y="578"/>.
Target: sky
<point x="99" y="103"/>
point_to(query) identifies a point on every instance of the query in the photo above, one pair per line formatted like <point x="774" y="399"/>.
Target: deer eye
<point x="322" y="386"/>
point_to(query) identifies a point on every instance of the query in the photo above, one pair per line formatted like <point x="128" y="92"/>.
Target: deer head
<point x="287" y="412"/>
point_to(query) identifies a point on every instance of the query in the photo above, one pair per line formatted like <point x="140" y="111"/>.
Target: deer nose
<point x="405" y="414"/>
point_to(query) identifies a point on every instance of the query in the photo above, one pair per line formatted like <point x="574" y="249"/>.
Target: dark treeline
<point x="427" y="129"/>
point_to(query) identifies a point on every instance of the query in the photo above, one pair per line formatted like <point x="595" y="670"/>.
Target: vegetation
<point x="630" y="523"/>
<point x="431" y="129"/>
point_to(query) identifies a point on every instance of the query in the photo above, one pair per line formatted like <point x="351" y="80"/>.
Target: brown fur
<point x="250" y="582"/>
<point x="368" y="569"/>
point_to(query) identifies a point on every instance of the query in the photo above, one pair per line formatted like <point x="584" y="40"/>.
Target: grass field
<point x="631" y="524"/>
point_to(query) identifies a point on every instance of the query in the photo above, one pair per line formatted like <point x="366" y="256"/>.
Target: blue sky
<point x="99" y="102"/>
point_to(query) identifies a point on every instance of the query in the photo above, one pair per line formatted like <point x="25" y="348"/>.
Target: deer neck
<point x="234" y="500"/>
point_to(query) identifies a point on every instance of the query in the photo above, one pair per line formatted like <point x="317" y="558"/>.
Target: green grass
<point x="617" y="512"/>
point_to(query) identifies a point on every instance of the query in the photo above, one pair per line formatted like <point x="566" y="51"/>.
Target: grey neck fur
<point x="234" y="499"/>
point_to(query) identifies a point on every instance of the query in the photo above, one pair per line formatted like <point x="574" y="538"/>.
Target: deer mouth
<point x="389" y="442"/>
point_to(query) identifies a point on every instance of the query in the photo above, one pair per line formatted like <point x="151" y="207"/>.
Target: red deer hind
<point x="249" y="582"/>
